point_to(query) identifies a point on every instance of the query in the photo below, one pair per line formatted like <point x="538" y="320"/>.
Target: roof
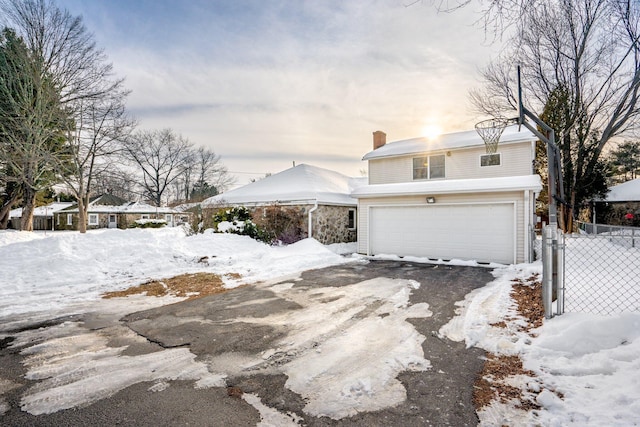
<point x="108" y="203"/>
<point x="476" y="185"/>
<point x="626" y="192"/>
<point x="303" y="184"/>
<point x="47" y="210"/>
<point x="448" y="141"/>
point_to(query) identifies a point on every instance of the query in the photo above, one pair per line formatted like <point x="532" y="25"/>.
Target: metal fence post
<point x="560" y="273"/>
<point x="547" y="270"/>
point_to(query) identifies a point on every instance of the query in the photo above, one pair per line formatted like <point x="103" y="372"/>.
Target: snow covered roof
<point x="108" y="203"/>
<point x="46" y="211"/>
<point x="626" y="192"/>
<point x="479" y="185"/>
<point x="300" y="184"/>
<point x="448" y="141"/>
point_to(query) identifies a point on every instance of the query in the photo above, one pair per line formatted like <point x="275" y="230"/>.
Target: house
<point x="109" y="211"/>
<point x="621" y="206"/>
<point x="321" y="196"/>
<point x="446" y="198"/>
<point x="42" y="216"/>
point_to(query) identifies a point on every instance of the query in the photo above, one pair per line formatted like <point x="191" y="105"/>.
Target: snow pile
<point x="40" y="273"/>
<point x="595" y="363"/>
<point x="588" y="366"/>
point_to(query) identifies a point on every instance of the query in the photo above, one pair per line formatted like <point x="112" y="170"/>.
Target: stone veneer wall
<point x="330" y="223"/>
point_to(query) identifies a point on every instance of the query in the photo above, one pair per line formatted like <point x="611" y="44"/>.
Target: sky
<point x="268" y="83"/>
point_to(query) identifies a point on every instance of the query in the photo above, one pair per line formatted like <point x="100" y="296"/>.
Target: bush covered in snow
<point x="271" y="224"/>
<point x="148" y="223"/>
<point x="236" y="220"/>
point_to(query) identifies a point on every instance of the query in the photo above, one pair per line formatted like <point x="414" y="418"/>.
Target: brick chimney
<point x="379" y="139"/>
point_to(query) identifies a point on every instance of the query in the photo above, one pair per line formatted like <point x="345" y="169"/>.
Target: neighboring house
<point x="446" y="198"/>
<point x="322" y="196"/>
<point x="109" y="211"/>
<point x="621" y="206"/>
<point x="42" y="216"/>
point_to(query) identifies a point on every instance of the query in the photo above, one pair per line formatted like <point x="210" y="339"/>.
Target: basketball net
<point x="490" y="132"/>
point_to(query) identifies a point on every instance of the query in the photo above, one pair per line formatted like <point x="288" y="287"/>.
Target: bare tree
<point x="32" y="123"/>
<point x="117" y="181"/>
<point x="211" y="177"/>
<point x="203" y="176"/>
<point x="161" y="158"/>
<point x="581" y="68"/>
<point x="66" y="49"/>
<point x="100" y="124"/>
<point x="64" y="70"/>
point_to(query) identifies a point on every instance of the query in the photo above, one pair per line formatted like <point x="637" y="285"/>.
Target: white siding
<point x="391" y="170"/>
<point x="516" y="160"/>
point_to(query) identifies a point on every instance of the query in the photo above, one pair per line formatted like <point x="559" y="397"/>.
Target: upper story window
<point x="490" y="160"/>
<point x="428" y="167"/>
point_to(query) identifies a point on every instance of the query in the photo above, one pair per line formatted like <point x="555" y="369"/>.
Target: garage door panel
<point x="482" y="232"/>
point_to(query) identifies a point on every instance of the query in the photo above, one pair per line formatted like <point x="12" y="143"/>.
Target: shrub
<point x="148" y="223"/>
<point x="280" y="224"/>
<point x="236" y="220"/>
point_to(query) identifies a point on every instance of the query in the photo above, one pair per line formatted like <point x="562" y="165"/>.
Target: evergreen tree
<point x="625" y="159"/>
<point x="32" y="122"/>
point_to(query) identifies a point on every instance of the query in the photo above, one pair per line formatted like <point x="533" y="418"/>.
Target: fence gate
<point x="602" y="269"/>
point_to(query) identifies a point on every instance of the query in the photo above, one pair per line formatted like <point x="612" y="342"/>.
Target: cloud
<point x="255" y="80"/>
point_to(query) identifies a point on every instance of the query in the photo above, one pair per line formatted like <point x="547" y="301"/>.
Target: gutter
<point x="310" y="225"/>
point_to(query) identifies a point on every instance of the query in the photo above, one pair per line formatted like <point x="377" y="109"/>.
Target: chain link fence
<point x="602" y="269"/>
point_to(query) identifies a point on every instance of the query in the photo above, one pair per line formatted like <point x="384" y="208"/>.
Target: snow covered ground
<point x="593" y="362"/>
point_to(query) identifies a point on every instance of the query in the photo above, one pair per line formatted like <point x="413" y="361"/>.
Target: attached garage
<point x="484" y="232"/>
<point x="484" y="220"/>
<point x="451" y="196"/>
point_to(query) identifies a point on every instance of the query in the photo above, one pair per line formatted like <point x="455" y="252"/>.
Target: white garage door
<point x="481" y="232"/>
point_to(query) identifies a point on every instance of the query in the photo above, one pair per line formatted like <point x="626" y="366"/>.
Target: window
<point x="168" y="218"/>
<point x="69" y="219"/>
<point x="436" y="168"/>
<point x="144" y="216"/>
<point x="93" y="219"/>
<point x="58" y="219"/>
<point x="429" y="167"/>
<point x="490" y="160"/>
<point x="352" y="219"/>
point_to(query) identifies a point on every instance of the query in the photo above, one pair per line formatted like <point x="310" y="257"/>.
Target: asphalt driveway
<point x="229" y="332"/>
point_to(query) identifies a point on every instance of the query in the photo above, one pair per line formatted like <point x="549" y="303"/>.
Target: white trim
<point x="95" y="216"/>
<point x="499" y="165"/>
<point x="355" y="219"/>
<point x="451" y="186"/>
<point x="69" y="219"/>
<point x="514" y="204"/>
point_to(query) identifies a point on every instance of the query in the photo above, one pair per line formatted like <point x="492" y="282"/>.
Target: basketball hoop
<point x="490" y="132"/>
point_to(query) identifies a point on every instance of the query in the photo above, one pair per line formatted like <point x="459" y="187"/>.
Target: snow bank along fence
<point x="598" y="269"/>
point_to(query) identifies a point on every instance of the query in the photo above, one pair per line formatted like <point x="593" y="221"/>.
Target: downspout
<point x="527" y="228"/>
<point x="310" y="225"/>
